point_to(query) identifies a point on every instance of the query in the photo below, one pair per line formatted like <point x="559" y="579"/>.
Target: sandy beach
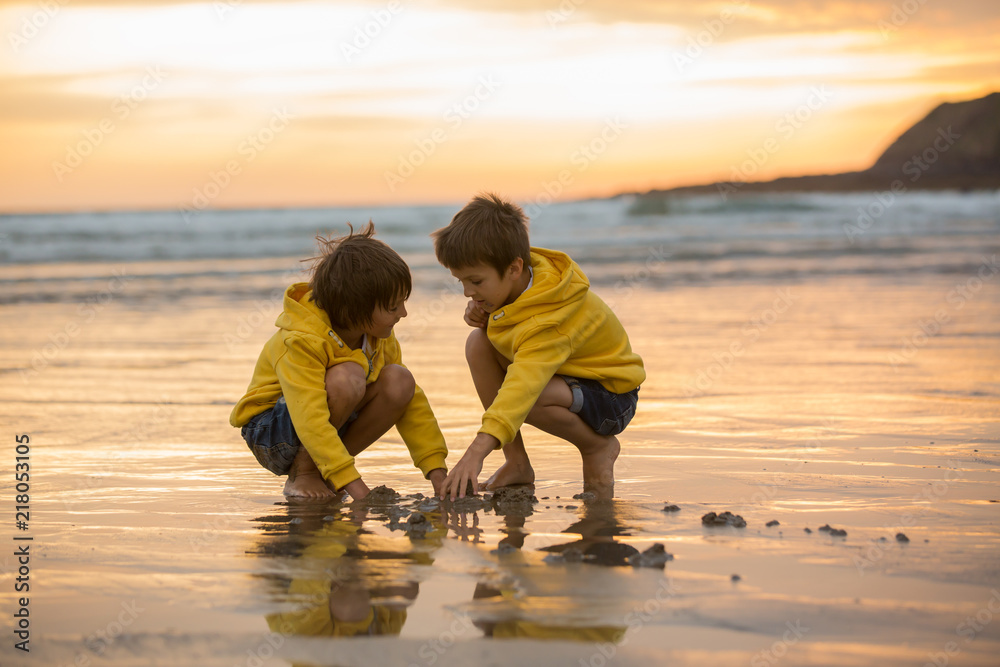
<point x="864" y="403"/>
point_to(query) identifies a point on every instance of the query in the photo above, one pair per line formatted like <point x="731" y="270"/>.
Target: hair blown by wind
<point x="354" y="274"/>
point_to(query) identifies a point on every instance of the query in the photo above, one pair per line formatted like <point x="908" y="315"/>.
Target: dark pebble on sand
<point x="571" y="507"/>
<point x="654" y="556"/>
<point x="545" y="497"/>
<point x="611" y="554"/>
<point x="772" y="522"/>
<point x="381" y="495"/>
<point x="735" y="577"/>
<point x="671" y="508"/>
<point x="585" y="496"/>
<point x="514" y="500"/>
<point x="838" y="532"/>
<point x="727" y="518"/>
<point x="807" y="530"/>
<point x="901" y="537"/>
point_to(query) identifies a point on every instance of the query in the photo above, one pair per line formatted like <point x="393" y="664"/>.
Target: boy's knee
<point x="477" y="344"/>
<point x="398" y="384"/>
<point x="345" y="382"/>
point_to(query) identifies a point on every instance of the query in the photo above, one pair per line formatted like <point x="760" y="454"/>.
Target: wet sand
<point x="158" y="540"/>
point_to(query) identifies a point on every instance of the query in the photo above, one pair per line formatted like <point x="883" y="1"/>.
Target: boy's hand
<point x="468" y="468"/>
<point x="358" y="489"/>
<point x="437" y="477"/>
<point x="476" y="316"/>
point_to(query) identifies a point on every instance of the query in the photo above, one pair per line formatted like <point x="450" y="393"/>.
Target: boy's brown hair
<point x="489" y="230"/>
<point x="354" y="274"/>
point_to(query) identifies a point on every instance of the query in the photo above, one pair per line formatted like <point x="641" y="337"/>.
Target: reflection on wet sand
<point x="342" y="570"/>
<point x="344" y="581"/>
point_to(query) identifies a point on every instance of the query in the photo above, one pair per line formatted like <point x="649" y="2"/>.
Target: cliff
<point x="956" y="146"/>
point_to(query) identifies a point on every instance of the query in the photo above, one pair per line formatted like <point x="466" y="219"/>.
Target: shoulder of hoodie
<point x="542" y="262"/>
<point x="312" y="339"/>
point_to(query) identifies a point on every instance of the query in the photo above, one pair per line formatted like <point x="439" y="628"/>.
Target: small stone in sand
<point x="571" y="507"/>
<point x="900" y="537"/>
<point x="735" y="577"/>
<point x="772" y="522"/>
<point x="807" y="530"/>
<point x="381" y="495"/>
<point x="838" y="532"/>
<point x="654" y="556"/>
<point x="516" y="500"/>
<point x="585" y="496"/>
<point x="727" y="518"/>
<point x="671" y="508"/>
<point x="610" y="553"/>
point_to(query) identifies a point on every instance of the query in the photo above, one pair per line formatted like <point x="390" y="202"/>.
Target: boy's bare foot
<point x="308" y="485"/>
<point x="511" y="473"/>
<point x="305" y="480"/>
<point x="599" y="469"/>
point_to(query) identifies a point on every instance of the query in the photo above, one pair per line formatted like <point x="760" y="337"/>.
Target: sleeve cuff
<point x="432" y="462"/>
<point x="498" y="430"/>
<point x="342" y="477"/>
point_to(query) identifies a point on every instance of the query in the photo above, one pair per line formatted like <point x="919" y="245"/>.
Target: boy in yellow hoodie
<point x="308" y="412"/>
<point x="544" y="350"/>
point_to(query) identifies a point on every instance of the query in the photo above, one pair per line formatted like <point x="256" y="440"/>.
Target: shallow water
<point x="157" y="540"/>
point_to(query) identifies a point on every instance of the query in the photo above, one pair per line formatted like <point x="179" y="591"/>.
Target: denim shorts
<point x="604" y="411"/>
<point x="272" y="439"/>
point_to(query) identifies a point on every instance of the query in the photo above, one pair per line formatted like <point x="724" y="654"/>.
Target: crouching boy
<point x="544" y="350"/>
<point x="331" y="380"/>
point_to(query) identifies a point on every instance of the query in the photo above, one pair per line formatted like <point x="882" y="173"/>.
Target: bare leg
<point x="345" y="388"/>
<point x="599" y="452"/>
<point x="550" y="414"/>
<point x="489" y="369"/>
<point x="383" y="404"/>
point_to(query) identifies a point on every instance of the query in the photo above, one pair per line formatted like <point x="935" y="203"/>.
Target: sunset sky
<point x="229" y="104"/>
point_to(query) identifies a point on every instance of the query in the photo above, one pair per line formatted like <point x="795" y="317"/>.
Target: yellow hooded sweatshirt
<point x="293" y="364"/>
<point x="556" y="326"/>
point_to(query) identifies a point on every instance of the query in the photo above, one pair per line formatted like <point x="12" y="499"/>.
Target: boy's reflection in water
<point x="503" y="612"/>
<point x="348" y="582"/>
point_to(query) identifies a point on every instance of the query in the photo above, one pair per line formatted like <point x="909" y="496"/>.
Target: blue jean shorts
<point x="604" y="411"/>
<point x="272" y="439"/>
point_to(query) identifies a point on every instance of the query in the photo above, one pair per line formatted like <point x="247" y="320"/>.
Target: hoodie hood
<point x="304" y="315"/>
<point x="557" y="291"/>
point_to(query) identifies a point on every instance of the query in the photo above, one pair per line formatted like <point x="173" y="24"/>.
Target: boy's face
<point x="490" y="290"/>
<point x="383" y="320"/>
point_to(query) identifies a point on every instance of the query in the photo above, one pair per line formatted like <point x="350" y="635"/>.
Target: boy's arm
<point x="535" y="362"/>
<point x="417" y="426"/>
<point x="302" y="375"/>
